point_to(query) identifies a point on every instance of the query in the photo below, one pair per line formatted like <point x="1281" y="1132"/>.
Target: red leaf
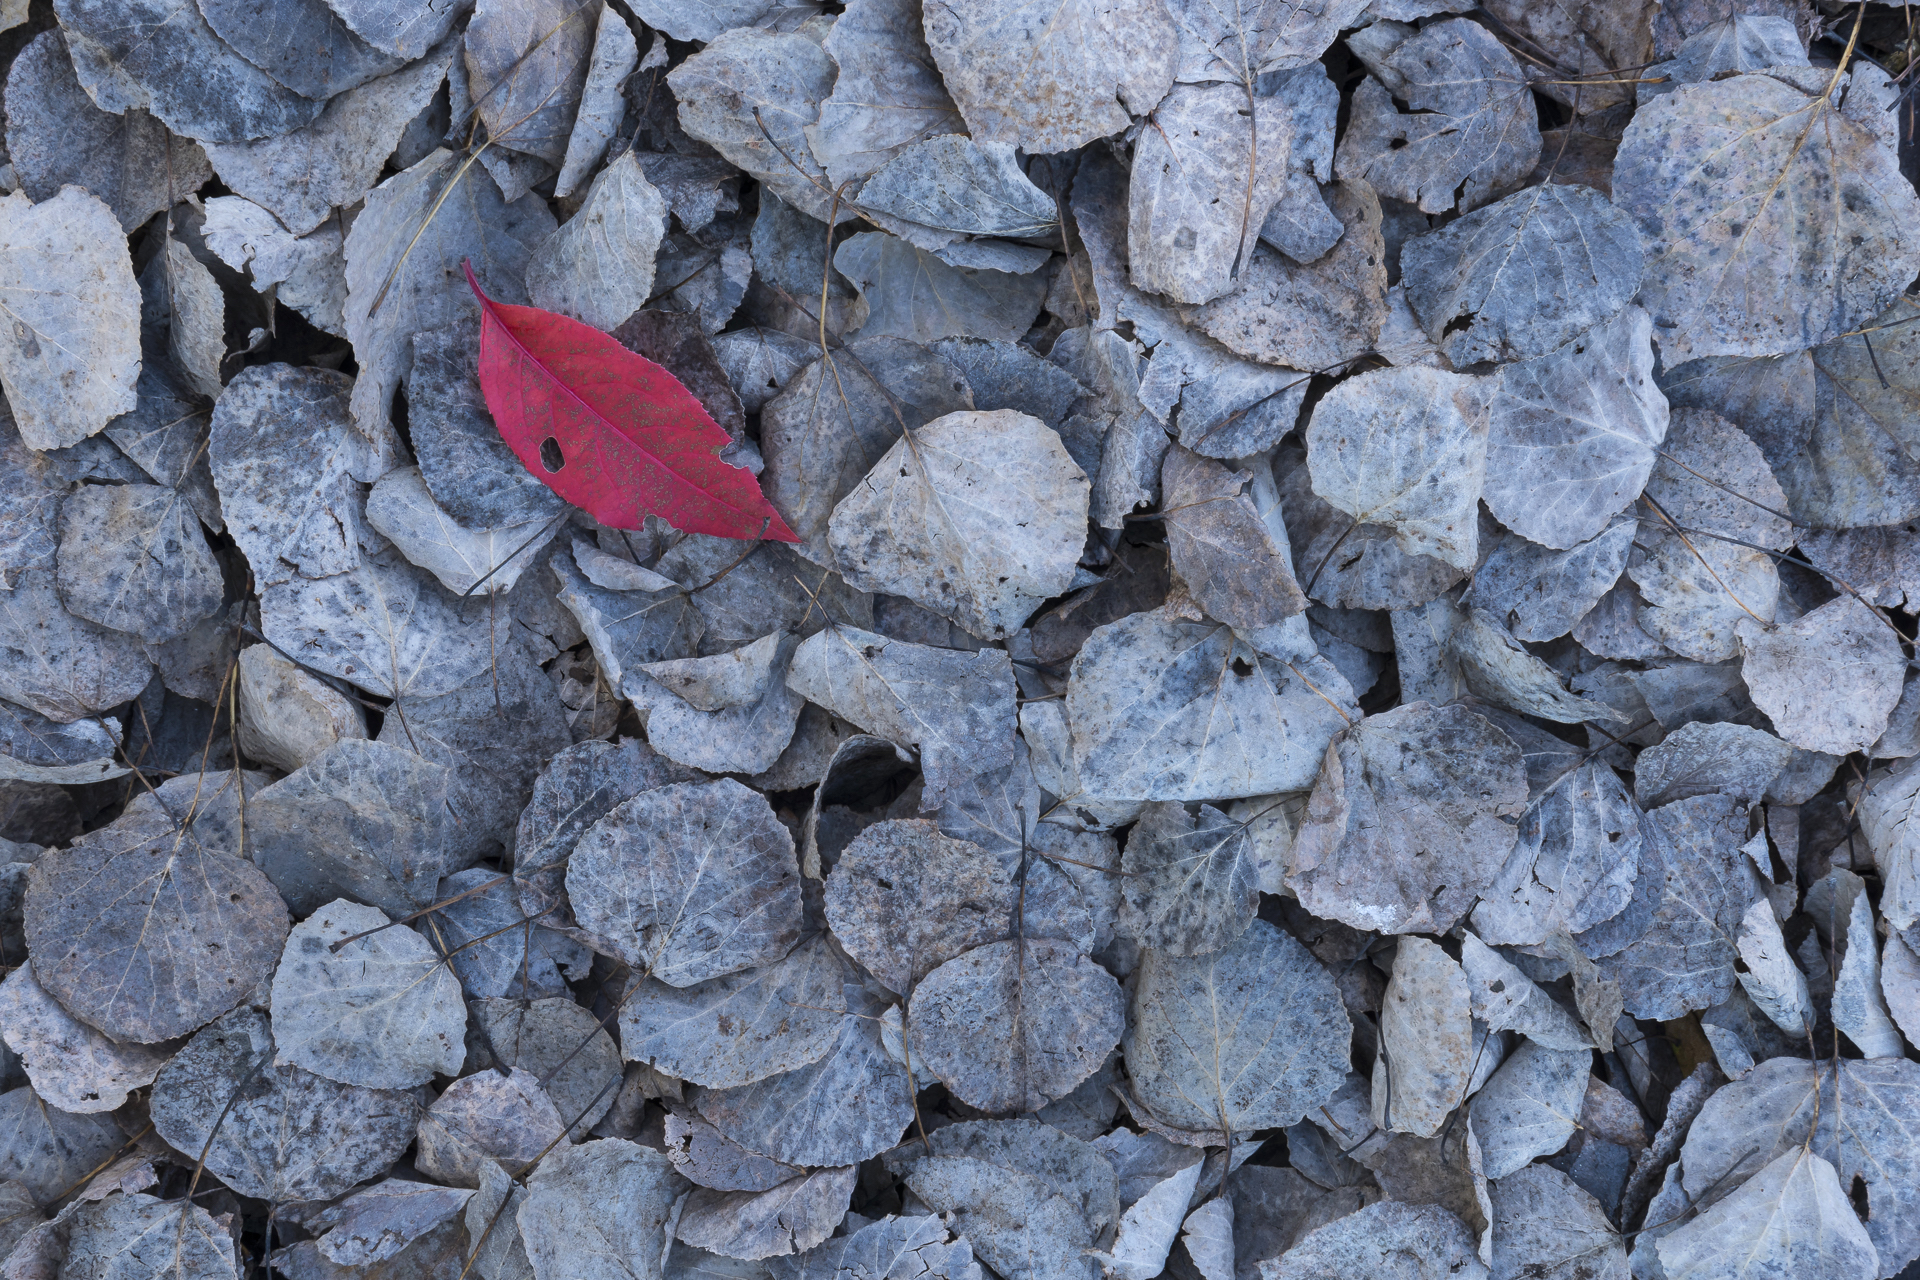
<point x="629" y="440"/>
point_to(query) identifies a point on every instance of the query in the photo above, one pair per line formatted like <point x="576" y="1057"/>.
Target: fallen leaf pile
<point x="785" y="640"/>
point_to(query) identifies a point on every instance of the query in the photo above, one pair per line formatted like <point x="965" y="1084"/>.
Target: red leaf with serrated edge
<point x="610" y="431"/>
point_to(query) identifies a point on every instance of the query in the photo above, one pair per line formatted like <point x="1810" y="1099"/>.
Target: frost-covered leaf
<point x="743" y="1027"/>
<point x="889" y="1246"/>
<point x="1527" y="274"/>
<point x="701" y="1153"/>
<point x="955" y="707"/>
<point x="1572" y="435"/>
<point x="1426" y="1056"/>
<point x="56" y="136"/>
<point x="1705" y="758"/>
<point x="1247" y="1037"/>
<point x="1828" y="680"/>
<point x="1191" y="881"/>
<point x="193" y="80"/>
<point x="1167" y="709"/>
<point x="410" y="262"/>
<point x="760" y="362"/>
<point x="912" y="294"/>
<point x="1012" y="1026"/>
<point x="1545" y="1225"/>
<point x="138" y="1235"/>
<point x="71" y="1065"/>
<point x="1791" y="1218"/>
<point x="1469" y="125"/>
<point x="1077" y="1171"/>
<point x="979" y="516"/>
<point x="627" y="628"/>
<point x="382" y="1012"/>
<point x="106" y="919"/>
<point x="1406" y="1242"/>
<point x="1147" y="1230"/>
<point x="1540" y="593"/>
<point x="132" y="559"/>
<point x="67" y="282"/>
<point x="741" y="600"/>
<point x="1051" y="78"/>
<point x="1438" y="782"/>
<point x="598" y="267"/>
<point x="746" y="737"/>
<point x="1224" y="545"/>
<point x="303" y="176"/>
<point x="1405" y="448"/>
<point x="688" y="882"/>
<point x="599" y="1211"/>
<point x="271" y="1129"/>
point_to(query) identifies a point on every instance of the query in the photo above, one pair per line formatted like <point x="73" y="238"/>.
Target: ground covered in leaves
<point x="1338" y="705"/>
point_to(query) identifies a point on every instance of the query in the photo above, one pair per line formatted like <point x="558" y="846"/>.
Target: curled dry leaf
<point x="1426" y="1059"/>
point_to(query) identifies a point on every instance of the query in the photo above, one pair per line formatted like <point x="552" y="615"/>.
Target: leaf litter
<point x="774" y="639"/>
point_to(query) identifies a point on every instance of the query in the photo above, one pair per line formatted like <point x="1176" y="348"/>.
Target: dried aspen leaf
<point x="71" y="1065"/>
<point x="1530" y="1107"/>
<point x="270" y="1129"/>
<point x="36" y="749"/>
<point x="132" y="558"/>
<point x="1426" y="1059"/>
<point x="1405" y="448"/>
<point x="1572" y="436"/>
<point x="527" y="66"/>
<point x="1147" y="1230"/>
<point x="979" y="516"/>
<point x="109" y="922"/>
<point x="849" y="1105"/>
<point x="306" y="272"/>
<point x="1165" y="709"/>
<point x="1709" y="758"/>
<point x="1191" y="884"/>
<point x="893" y="1245"/>
<point x="1317" y="316"/>
<point x="794" y="1217"/>
<point x="888" y="94"/>
<point x="1500" y="669"/>
<point x="67" y="281"/>
<point x="493" y="948"/>
<point x="1768" y="974"/>
<point x="1387" y="1239"/>
<point x="602" y="108"/>
<point x="1540" y="593"/>
<point x="1589" y="43"/>
<point x="138" y="1235"/>
<point x="598" y="267"/>
<point x="303" y="176"/>
<point x="1546" y="1225"/>
<point x="745" y="738"/>
<point x="1858" y="1008"/>
<point x="599" y="1211"/>
<point x="627" y="628"/>
<point x="744" y="1027"/>
<point x="1016" y="1222"/>
<point x="288" y="717"/>
<point x="362" y="819"/>
<point x="1205" y="172"/>
<point x="736" y="678"/>
<point x="465" y="559"/>
<point x="382" y="1012"/>
<point x="688" y="882"/>
<point x="1504" y="998"/>
<point x="1247" y="1037"/>
<point x="1051" y="78"/>
<point x="1469" y="127"/>
<point x="563" y="1045"/>
<point x="1829" y="680"/>
<point x="1791" y="1218"/>
<point x="1080" y="1172"/>
<point x="955" y="707"/>
<point x="701" y="1153"/>
<point x="759" y="362"/>
<point x="56" y="136"/>
<point x="1224" y="546"/>
<point x="1248" y="41"/>
<point x="741" y="600"/>
<point x="1699" y="886"/>
<point x="703" y="20"/>
<point x="1527" y="274"/>
<point x="194" y="81"/>
<point x="467" y="466"/>
<point x="380" y="1221"/>
<point x="485" y="1124"/>
<point x="304" y="45"/>
<point x="49" y="1151"/>
<point x="415" y="272"/>
<point x="824" y="431"/>
<point x="492" y="1223"/>
<point x="1349" y="565"/>
<point x="1012" y="1026"/>
<point x="752" y="95"/>
<point x="401" y="33"/>
<point x="1411" y="819"/>
<point x="912" y="294"/>
<point x="948" y="187"/>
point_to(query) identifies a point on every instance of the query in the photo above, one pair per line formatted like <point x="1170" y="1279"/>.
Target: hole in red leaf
<point x="550" y="456"/>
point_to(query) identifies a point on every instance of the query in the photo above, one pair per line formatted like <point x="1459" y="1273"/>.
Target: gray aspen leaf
<point x="1345" y="564"/>
<point x="465" y="559"/>
<point x="106" y="919"/>
<point x="707" y="1158"/>
<point x="1530" y="1107"/>
<point x="1426" y="1055"/>
<point x="1249" y="41"/>
<point x="736" y="678"/>
<point x="950" y="186"/>
<point x="1522" y="276"/>
<point x="484" y="1126"/>
<point x="1423" y="1242"/>
<point x="1411" y="818"/>
<point x="561" y="1043"/>
<point x="1884" y="810"/>
<point x="1205" y="172"/>
<point x="59" y="665"/>
<point x="1207" y="1234"/>
<point x="759" y="362"/>
<point x="1574" y="434"/>
<point x="1407" y="449"/>
<point x="1190" y="884"/>
<point x="303" y="45"/>
<point x="1050" y="78"/>
<point x="1504" y="999"/>
<point x="1147" y="1230"/>
<point x="49" y="1151"/>
<point x="1167" y="709"/>
<point x="363" y="819"/>
<point x="599" y="1211"/>
<point x="1881" y="563"/>
<point x="848" y="1105"/>
<point x="978" y="516"/>
<point x="957" y="708"/>
<point x="132" y="558"/>
<point x="741" y="600"/>
<point x="1012" y="1026"/>
<point x="1222" y="544"/>
<point x="376" y="1223"/>
<point x="382" y="1012"/>
<point x="744" y="1027"/>
<point x="1080" y="1172"/>
<point x="1714" y="174"/>
<point x="1791" y="1218"/>
<point x="1545" y="1224"/>
<point x="792" y="1218"/>
<point x="68" y="284"/>
<point x="1769" y="975"/>
<point x="889" y="1246"/>
<point x="752" y="95"/>
<point x="1469" y="125"/>
<point x="1500" y="669"/>
<point x="598" y="267"/>
<point x="747" y="737"/>
<point x="56" y="136"/>
<point x="36" y="749"/>
<point x="1899" y="986"/>
<point x="72" y="1066"/>
<point x="494" y="950"/>
<point x="1016" y="1222"/>
<point x="303" y="176"/>
<point x="1706" y="758"/>
<point x="1738" y="43"/>
<point x="306" y="272"/>
<point x="688" y="882"/>
<point x="1859" y="1010"/>
<point x="1281" y="1054"/>
<point x="1830" y="680"/>
<point x="399" y="33"/>
<point x="527" y="67"/>
<point x="888" y="94"/>
<point x="411" y="262"/>
<point x="703" y="20"/>
<point x="275" y="1130"/>
<point x="1591" y="42"/>
<point x="129" y="1235"/>
<point x="627" y="628"/>
<point x="194" y="81"/>
<point x="492" y="1224"/>
<point x="602" y="109"/>
<point x="911" y="293"/>
<point x="1542" y="594"/>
